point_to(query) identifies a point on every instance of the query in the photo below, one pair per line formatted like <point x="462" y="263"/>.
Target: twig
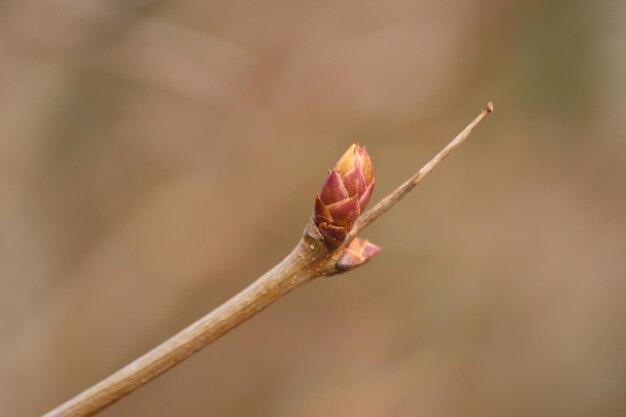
<point x="396" y="195"/>
<point x="310" y="259"/>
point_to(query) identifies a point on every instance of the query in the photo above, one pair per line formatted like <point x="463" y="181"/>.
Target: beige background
<point x="157" y="156"/>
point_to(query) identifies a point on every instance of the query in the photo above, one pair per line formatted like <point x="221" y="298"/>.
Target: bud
<point x="344" y="195"/>
<point x="357" y="253"/>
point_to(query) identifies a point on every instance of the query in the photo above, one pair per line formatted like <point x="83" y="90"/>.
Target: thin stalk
<point x="396" y="195"/>
<point x="297" y="268"/>
<point x="310" y="259"/>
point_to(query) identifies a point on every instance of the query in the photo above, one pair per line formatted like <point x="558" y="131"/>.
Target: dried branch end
<point x="396" y="195"/>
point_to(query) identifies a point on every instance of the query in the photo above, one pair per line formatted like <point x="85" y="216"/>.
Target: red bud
<point x="358" y="252"/>
<point x="345" y="194"/>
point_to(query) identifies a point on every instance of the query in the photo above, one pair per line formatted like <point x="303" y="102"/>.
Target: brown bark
<point x="311" y="258"/>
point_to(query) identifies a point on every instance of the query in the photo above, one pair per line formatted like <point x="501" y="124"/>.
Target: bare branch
<point x="396" y="195"/>
<point x="311" y="258"/>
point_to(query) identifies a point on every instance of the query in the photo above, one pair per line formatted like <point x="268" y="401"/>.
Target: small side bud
<point x="358" y="252"/>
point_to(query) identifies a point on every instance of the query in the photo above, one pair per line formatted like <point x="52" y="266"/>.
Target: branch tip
<point x="396" y="195"/>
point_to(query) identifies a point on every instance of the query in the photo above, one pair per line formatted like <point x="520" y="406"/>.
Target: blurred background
<point x="158" y="156"/>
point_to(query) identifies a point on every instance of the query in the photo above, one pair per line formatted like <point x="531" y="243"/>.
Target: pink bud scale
<point x="344" y="195"/>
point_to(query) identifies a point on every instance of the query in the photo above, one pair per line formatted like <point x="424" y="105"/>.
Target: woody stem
<point x="310" y="259"/>
<point x="297" y="268"/>
<point x="396" y="195"/>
